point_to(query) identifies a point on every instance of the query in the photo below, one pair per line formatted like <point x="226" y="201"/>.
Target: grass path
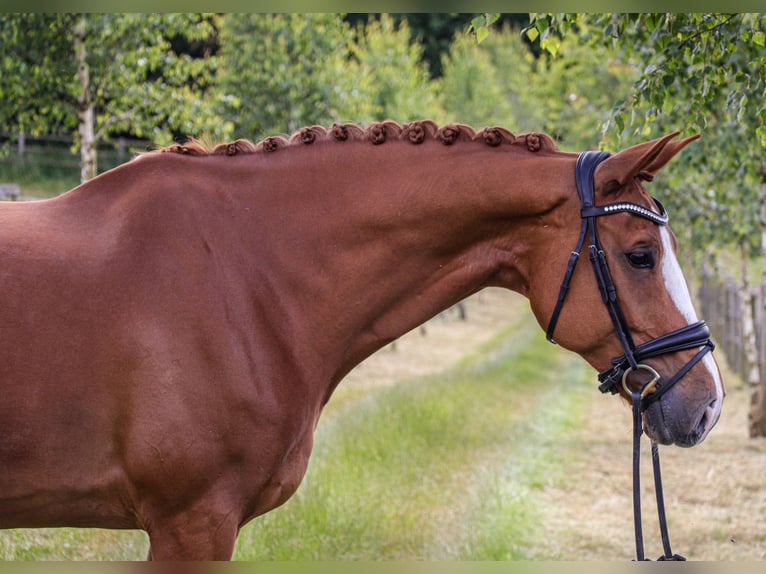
<point x="442" y="467"/>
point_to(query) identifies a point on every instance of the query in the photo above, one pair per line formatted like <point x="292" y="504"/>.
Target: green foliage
<point x="433" y="31"/>
<point x="480" y="25"/>
<point x="306" y="69"/>
<point x="278" y="71"/>
<point x="502" y="82"/>
<point x="567" y="96"/>
<point x="472" y="88"/>
<point x="30" y="92"/>
<point x="698" y="72"/>
<point x="389" y="78"/>
<point x="140" y="85"/>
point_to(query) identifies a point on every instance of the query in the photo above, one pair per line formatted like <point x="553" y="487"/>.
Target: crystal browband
<point x="660" y="218"/>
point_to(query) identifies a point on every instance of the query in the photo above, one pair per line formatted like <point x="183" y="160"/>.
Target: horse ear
<point x="649" y="157"/>
<point x="668" y="152"/>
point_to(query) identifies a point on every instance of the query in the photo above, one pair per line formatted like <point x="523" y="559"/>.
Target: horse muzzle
<point x="681" y="421"/>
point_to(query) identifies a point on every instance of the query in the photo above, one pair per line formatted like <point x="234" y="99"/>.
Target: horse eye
<point x="641" y="259"/>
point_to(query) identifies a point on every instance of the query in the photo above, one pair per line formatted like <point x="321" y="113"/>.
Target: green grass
<point x="72" y="544"/>
<point x="438" y="468"/>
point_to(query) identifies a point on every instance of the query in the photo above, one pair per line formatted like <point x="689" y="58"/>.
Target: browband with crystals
<point x="660" y="218"/>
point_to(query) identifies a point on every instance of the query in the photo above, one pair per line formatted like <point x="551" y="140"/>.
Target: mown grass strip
<point x="437" y="468"/>
<point x="72" y="544"/>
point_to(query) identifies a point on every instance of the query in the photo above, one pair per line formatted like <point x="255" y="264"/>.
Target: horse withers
<point x="173" y="328"/>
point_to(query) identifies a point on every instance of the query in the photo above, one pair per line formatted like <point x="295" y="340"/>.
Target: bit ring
<point x="649" y="387"/>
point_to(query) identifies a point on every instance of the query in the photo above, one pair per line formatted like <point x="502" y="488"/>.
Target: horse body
<point x="157" y="363"/>
<point x="173" y="328"/>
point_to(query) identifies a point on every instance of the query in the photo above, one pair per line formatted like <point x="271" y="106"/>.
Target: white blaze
<point x="675" y="283"/>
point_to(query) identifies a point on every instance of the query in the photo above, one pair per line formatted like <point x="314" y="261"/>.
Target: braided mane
<point x="376" y="133"/>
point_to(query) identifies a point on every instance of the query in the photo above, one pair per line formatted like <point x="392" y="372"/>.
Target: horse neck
<point x="374" y="242"/>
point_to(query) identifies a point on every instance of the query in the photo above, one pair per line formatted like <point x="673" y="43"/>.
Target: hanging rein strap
<point x="692" y="336"/>
<point x="637" y="432"/>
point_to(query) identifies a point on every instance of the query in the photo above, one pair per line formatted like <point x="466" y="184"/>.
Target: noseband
<point x="692" y="336"/>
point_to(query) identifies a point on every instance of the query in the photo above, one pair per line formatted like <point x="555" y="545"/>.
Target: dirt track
<point x="715" y="493"/>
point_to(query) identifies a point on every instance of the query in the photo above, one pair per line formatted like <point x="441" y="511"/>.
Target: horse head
<point x="629" y="312"/>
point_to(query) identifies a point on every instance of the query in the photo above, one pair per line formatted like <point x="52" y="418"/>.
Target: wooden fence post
<point x="757" y="414"/>
<point x="736" y="316"/>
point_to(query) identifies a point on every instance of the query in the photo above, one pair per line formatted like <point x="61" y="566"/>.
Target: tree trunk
<point x="758" y="391"/>
<point x="750" y="348"/>
<point x="86" y="116"/>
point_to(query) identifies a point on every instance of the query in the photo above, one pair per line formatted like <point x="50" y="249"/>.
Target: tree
<point x="567" y="96"/>
<point x="278" y="71"/>
<point x="705" y="73"/>
<point x="390" y="78"/>
<point x="283" y="71"/>
<point x="472" y="90"/>
<point x="103" y="74"/>
<point x="503" y="81"/>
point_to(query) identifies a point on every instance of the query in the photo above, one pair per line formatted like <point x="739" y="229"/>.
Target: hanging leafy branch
<point x="480" y="25"/>
<point x="698" y="61"/>
<point x="699" y="72"/>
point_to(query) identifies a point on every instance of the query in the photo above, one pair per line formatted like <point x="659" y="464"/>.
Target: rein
<point x="692" y="336"/>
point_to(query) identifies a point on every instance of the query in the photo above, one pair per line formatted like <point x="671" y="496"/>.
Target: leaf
<point x="552" y="45"/>
<point x="492" y="17"/>
<point x="620" y="122"/>
<point x="759" y="38"/>
<point x="532" y="33"/>
<point x="761" y="133"/>
<point x="480" y="25"/>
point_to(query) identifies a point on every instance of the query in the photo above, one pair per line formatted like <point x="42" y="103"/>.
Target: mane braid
<point x="376" y="133"/>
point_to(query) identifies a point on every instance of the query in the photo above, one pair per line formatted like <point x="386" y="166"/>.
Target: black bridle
<point x="692" y="336"/>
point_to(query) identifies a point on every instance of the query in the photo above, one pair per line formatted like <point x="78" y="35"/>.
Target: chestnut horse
<point x="172" y="329"/>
